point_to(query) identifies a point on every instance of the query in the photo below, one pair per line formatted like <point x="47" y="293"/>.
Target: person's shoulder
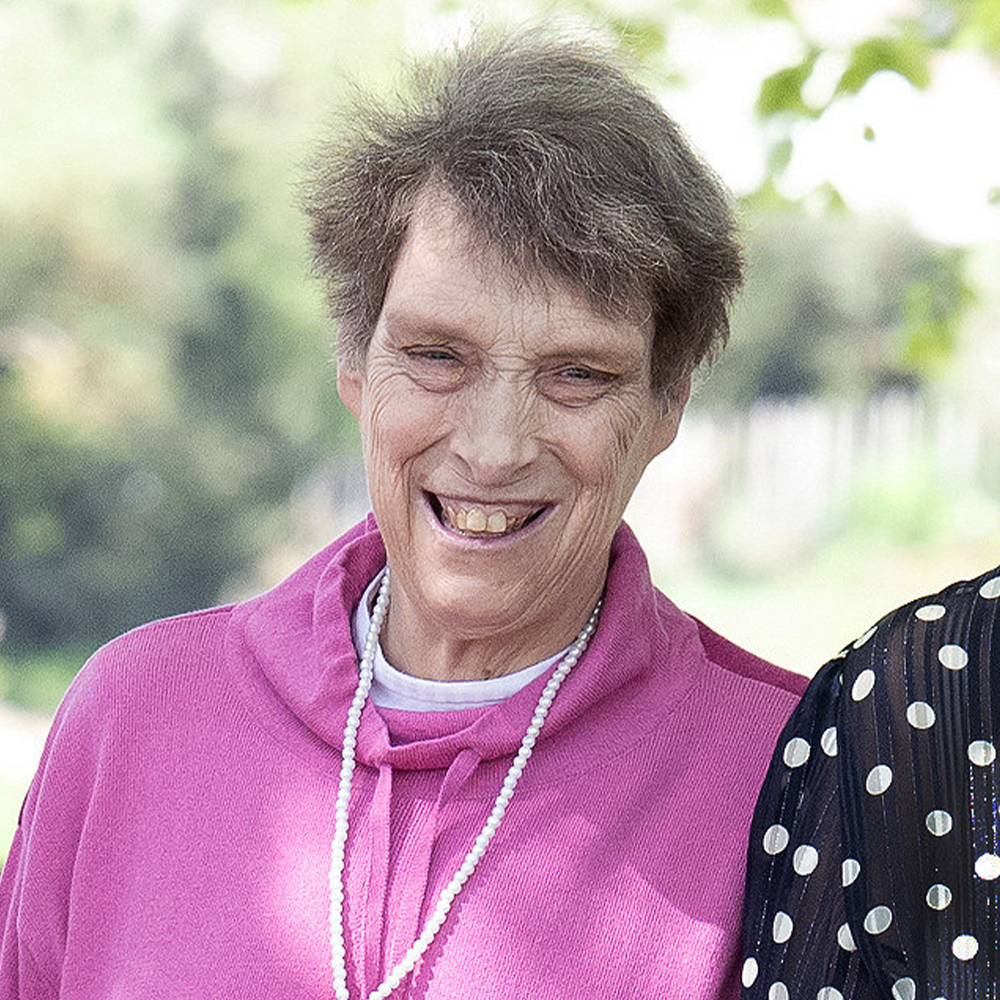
<point x="140" y="657"/>
<point x="936" y="630"/>
<point x="786" y="685"/>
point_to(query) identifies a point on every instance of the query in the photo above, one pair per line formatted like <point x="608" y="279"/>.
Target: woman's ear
<point x="350" y="378"/>
<point x="669" y="420"/>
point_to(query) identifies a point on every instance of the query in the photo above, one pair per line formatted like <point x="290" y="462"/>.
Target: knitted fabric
<point x="176" y="839"/>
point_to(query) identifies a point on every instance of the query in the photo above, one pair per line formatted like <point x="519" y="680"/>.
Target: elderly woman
<point x="468" y="750"/>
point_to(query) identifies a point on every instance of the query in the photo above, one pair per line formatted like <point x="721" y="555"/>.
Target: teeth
<point x="497" y="523"/>
<point x="478" y="521"/>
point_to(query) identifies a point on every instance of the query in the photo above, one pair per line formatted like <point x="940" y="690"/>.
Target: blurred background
<point x="170" y="435"/>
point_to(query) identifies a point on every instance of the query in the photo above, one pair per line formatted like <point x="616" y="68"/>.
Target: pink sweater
<point x="176" y="839"/>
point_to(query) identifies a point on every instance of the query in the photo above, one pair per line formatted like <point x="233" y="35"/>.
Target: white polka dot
<point x="796" y="752"/>
<point x="988" y="867"/>
<point x="845" y="938"/>
<point x="879" y="779"/>
<point x="990" y="589"/>
<point x="982" y="753"/>
<point x="904" y="989"/>
<point x="920" y="715"/>
<point x="953" y="657"/>
<point x="939" y="822"/>
<point x="778" y="991"/>
<point x="775" y="839"/>
<point x="964" y="947"/>
<point x="805" y="859"/>
<point x="828" y="741"/>
<point x="750" y="970"/>
<point x="878" y="919"/>
<point x="863" y="684"/>
<point x="829" y="993"/>
<point x="782" y="928"/>
<point x="863" y="639"/>
<point x="849" y="871"/>
<point x="939" y="897"/>
<point x="930" y="612"/>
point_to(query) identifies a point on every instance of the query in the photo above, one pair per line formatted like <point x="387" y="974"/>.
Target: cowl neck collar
<point x="293" y="656"/>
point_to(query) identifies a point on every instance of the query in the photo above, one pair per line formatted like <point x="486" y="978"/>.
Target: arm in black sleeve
<point x="903" y="900"/>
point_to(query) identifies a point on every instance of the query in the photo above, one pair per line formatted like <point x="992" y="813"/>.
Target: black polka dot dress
<point x="874" y="859"/>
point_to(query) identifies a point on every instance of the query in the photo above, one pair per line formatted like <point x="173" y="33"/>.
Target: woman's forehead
<point x="450" y="277"/>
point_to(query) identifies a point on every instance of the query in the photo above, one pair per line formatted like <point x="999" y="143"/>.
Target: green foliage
<point x="781" y="92"/>
<point x="904" y="507"/>
<point x="909" y="56"/>
<point x="642" y="37"/>
<point x="163" y="373"/>
<point x="771" y="8"/>
<point x="931" y="311"/>
<point x="833" y="306"/>
<point x="932" y="308"/>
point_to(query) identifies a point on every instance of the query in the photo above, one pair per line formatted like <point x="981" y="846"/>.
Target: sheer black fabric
<point x="874" y="859"/>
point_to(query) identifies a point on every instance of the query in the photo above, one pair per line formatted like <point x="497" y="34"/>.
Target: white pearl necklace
<point x="338" y="949"/>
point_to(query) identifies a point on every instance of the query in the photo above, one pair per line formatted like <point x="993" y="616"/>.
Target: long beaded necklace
<point x="405" y="966"/>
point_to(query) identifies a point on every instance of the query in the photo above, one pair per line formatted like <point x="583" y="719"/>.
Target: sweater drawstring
<point x="374" y="921"/>
<point x="416" y="871"/>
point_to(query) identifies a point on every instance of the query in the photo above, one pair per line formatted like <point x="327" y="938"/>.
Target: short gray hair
<point x="558" y="161"/>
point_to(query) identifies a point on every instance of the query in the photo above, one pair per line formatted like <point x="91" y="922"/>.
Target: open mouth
<point x="482" y="520"/>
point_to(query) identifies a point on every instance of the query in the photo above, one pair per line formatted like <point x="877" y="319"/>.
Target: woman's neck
<point x="416" y="644"/>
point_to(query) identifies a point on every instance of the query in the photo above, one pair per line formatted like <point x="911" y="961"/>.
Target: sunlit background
<point x="169" y="431"/>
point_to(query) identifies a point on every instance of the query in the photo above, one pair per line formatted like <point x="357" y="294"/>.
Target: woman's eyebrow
<point x="558" y="348"/>
<point x="410" y="324"/>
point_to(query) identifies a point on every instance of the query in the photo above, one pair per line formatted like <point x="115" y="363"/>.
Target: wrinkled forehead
<point x="439" y="226"/>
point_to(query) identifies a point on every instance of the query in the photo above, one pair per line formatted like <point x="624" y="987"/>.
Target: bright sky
<point x="935" y="154"/>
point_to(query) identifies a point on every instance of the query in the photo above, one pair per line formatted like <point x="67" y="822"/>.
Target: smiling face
<point x="505" y="426"/>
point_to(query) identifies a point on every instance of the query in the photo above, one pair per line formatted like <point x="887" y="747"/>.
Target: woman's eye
<point x="437" y="369"/>
<point x="436" y="355"/>
<point x="576" y="385"/>
<point x="432" y="354"/>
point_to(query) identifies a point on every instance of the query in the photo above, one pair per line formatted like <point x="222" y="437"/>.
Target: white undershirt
<point x="391" y="688"/>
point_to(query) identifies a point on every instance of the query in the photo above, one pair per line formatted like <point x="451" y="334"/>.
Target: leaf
<point x="982" y="25"/>
<point x="927" y="346"/>
<point x="779" y="156"/>
<point x="832" y="200"/>
<point x="932" y="311"/>
<point x="765" y="200"/>
<point x="781" y="92"/>
<point x="771" y="9"/>
<point x="908" y="56"/>
<point x="642" y="37"/>
<point x="869" y="134"/>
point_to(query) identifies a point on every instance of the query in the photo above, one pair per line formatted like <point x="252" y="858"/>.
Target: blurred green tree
<point x="161" y="388"/>
<point x="837" y="305"/>
<point x="164" y="376"/>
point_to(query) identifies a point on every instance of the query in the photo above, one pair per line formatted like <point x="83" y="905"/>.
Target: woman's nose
<point x="495" y="437"/>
